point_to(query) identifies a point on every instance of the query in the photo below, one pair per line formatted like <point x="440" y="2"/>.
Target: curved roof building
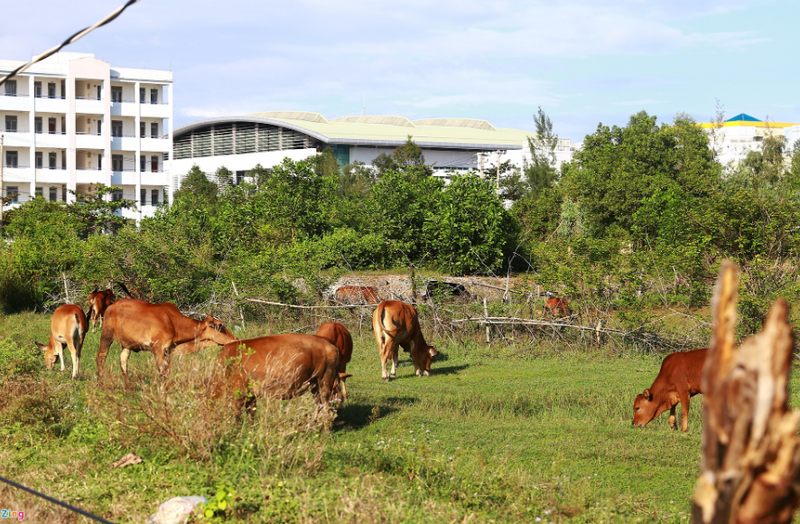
<point x="241" y="142"/>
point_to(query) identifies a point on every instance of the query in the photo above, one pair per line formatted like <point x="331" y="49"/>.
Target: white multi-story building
<point x="736" y="137"/>
<point x="72" y="121"/>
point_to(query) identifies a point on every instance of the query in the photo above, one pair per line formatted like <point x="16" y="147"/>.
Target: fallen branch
<point x="343" y="306"/>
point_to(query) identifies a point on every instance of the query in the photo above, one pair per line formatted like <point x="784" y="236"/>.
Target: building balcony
<point x="20" y="173"/>
<point x="155" y="110"/>
<point x="90" y="175"/>
<point x="124" y="143"/>
<point x="55" y="140"/>
<point x="50" y="105"/>
<point x="154" y="178"/>
<point x="55" y="175"/>
<point x="17" y="138"/>
<point x="91" y="106"/>
<point x="15" y="102"/>
<point x="124" y="108"/>
<point x="126" y="177"/>
<point x="90" y="141"/>
<point x="157" y="145"/>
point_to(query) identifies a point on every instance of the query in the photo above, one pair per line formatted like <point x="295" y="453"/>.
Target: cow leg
<point x="395" y="351"/>
<point x="672" y="416"/>
<point x="161" y="355"/>
<point x="106" y="338"/>
<point x="61" y="354"/>
<point x="685" y="412"/>
<point x="75" y="351"/>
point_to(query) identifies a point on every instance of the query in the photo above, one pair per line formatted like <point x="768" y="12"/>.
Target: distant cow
<point x="396" y="324"/>
<point x="278" y="366"/>
<point x="158" y="328"/>
<point x="338" y="335"/>
<point x="440" y="288"/>
<point x="99" y="302"/>
<point x="356" y="295"/>
<point x="557" y="307"/>
<point x="678" y="380"/>
<point x="67" y="327"/>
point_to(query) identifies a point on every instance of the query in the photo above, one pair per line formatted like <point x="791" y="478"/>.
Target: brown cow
<point x="396" y="324"/>
<point x="338" y="335"/>
<point x="557" y="307"/>
<point x="678" y="380"/>
<point x="67" y="327"/>
<point x="279" y="366"/>
<point x="356" y="295"/>
<point x="157" y="328"/>
<point x="98" y="303"/>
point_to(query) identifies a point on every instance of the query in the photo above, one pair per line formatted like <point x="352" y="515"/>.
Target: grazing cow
<point x="67" y="327"/>
<point x="441" y="288"/>
<point x="678" y="380"/>
<point x="338" y="335"/>
<point x="557" y="307"/>
<point x="356" y="295"/>
<point x="158" y="328"/>
<point x="99" y="302"/>
<point x="279" y="366"/>
<point x="396" y="324"/>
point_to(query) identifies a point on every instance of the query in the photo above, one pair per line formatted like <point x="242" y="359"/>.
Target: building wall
<point x="69" y="96"/>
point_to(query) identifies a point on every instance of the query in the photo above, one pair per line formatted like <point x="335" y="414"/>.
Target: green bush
<point x="19" y="360"/>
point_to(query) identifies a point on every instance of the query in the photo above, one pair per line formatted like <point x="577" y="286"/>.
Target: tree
<point x="224" y="176"/>
<point x="540" y="173"/>
<point x="406" y="159"/>
<point x="197" y="187"/>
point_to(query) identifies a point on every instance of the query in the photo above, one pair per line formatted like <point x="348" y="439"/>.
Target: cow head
<point x="212" y="329"/>
<point x="423" y="359"/>
<point x="50" y="355"/>
<point x="645" y="409"/>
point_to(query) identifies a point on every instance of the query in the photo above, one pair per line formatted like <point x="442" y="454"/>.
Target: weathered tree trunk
<point x="751" y="457"/>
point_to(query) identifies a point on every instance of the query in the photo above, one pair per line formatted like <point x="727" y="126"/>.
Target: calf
<point x="557" y="307"/>
<point x="278" y="366"/>
<point x="98" y="303"/>
<point x="338" y="335"/>
<point x="679" y="379"/>
<point x="396" y="324"/>
<point x="67" y="327"/>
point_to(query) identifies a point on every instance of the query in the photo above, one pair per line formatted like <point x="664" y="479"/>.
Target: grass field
<point x="494" y="435"/>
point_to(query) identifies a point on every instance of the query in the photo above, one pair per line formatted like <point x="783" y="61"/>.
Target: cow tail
<point x="123" y="288"/>
<point x="390" y="332"/>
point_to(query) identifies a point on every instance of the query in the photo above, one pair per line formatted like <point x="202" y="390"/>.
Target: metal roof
<point x="385" y="131"/>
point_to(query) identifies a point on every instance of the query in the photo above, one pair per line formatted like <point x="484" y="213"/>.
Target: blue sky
<point x="583" y="61"/>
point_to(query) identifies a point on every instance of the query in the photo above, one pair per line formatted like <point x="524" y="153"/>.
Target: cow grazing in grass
<point x="338" y="335"/>
<point x="67" y="327"/>
<point x="277" y="366"/>
<point x="396" y="324"/>
<point x="557" y="307"/>
<point x="356" y="295"/>
<point x="158" y="328"/>
<point x="678" y="380"/>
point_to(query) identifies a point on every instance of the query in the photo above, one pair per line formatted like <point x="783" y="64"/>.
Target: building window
<point x="99" y="92"/>
<point x="39" y="159"/>
<point x="142" y="127"/>
<point x="63" y="125"/>
<point x="11" y="124"/>
<point x="99" y="127"/>
<point x="116" y="128"/>
<point x="12" y="192"/>
<point x="142" y="196"/>
<point x="51" y="90"/>
<point x="116" y="94"/>
<point x="142" y="92"/>
<point x="99" y="161"/>
<point x="37" y="89"/>
<point x="154" y="129"/>
<point x="11" y="159"/>
<point x="51" y="160"/>
<point x="51" y="126"/>
<point x="240" y="177"/>
<point x="116" y="195"/>
<point x="11" y="88"/>
<point x="154" y="197"/>
<point x="63" y="89"/>
<point x="53" y="194"/>
<point x="142" y="162"/>
<point x="154" y="163"/>
<point x="63" y="159"/>
<point x="37" y="124"/>
<point x="39" y="192"/>
<point x="154" y="96"/>
<point x="116" y="162"/>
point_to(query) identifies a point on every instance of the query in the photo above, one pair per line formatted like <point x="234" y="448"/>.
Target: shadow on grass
<point x="356" y="415"/>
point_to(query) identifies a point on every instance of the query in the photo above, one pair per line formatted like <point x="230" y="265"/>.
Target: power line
<point x="74" y="38"/>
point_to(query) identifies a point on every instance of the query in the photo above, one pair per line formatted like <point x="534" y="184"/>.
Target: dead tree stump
<point x="751" y="452"/>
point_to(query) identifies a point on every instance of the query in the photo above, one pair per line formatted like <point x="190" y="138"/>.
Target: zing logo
<point x="8" y="514"/>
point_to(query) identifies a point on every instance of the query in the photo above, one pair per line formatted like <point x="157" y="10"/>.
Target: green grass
<point x="494" y="435"/>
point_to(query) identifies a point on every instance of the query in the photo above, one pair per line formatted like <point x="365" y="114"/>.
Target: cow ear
<point x="647" y="394"/>
<point x="432" y="351"/>
<point x="344" y="376"/>
<point x="43" y="347"/>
